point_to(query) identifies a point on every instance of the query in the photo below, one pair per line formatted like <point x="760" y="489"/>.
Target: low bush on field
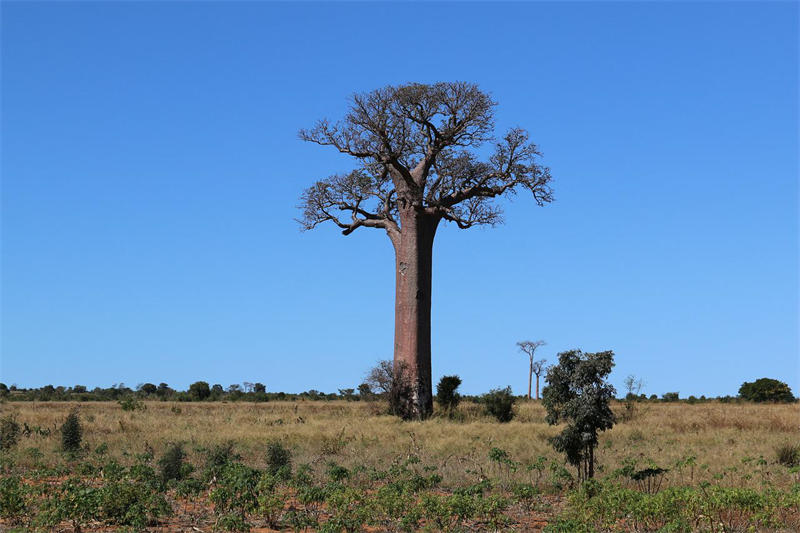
<point x="499" y="403"/>
<point x="9" y="432"/>
<point x="604" y="505"/>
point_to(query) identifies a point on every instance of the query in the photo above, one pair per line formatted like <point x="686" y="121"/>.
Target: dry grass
<point x="720" y="436"/>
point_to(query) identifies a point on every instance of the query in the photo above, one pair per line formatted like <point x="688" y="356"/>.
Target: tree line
<point x="377" y="386"/>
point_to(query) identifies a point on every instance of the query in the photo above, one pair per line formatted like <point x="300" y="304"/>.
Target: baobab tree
<point x="536" y="367"/>
<point x="413" y="147"/>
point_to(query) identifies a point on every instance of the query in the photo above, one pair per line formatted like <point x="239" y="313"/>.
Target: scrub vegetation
<point x="347" y="466"/>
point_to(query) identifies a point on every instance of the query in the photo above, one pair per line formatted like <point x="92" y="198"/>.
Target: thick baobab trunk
<point x="530" y="378"/>
<point x="537" y="387"/>
<point x="412" y="326"/>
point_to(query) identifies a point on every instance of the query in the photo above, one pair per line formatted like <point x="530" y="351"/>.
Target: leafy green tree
<point x="164" y="390"/>
<point x="148" y="388"/>
<point x="199" y="390"/>
<point x="670" y="397"/>
<point x="766" y="390"/>
<point x="577" y="392"/>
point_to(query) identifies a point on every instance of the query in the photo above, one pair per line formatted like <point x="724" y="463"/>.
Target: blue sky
<point x="151" y="172"/>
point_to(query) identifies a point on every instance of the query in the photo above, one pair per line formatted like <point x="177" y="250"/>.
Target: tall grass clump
<point x="788" y="454"/>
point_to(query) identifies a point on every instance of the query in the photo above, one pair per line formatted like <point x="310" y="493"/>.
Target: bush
<point x="446" y="394"/>
<point x="499" y="403"/>
<point x="131" y="404"/>
<point x="279" y="460"/>
<point x="71" y="433"/>
<point x="217" y="458"/>
<point x="670" y="397"/>
<point x="9" y="432"/>
<point x="766" y="390"/>
<point x="235" y="495"/>
<point x="73" y="501"/>
<point x="171" y="463"/>
<point x="132" y="503"/>
<point x="12" y="497"/>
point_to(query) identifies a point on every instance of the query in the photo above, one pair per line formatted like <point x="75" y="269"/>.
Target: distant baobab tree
<point x="536" y="367"/>
<point x="414" y="169"/>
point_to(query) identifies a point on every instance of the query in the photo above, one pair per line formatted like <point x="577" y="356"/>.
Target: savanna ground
<point x="670" y="467"/>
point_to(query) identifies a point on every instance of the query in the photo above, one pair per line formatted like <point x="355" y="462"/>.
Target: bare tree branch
<point x="417" y="138"/>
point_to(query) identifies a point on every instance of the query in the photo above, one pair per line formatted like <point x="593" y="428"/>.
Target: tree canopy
<point x="412" y="143"/>
<point x="766" y="390"/>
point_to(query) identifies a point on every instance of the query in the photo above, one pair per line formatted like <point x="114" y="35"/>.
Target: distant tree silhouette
<point x="536" y="367"/>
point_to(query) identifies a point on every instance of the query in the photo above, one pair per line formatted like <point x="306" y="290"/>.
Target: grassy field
<point x="702" y="446"/>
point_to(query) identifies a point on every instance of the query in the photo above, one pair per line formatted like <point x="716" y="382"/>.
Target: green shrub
<point x="131" y="404"/>
<point x="499" y="403"/>
<point x="132" y="503"/>
<point x="71" y="433"/>
<point x="9" y="432"/>
<point x="171" y="463"/>
<point x="235" y="493"/>
<point x="13" y="502"/>
<point x="232" y="522"/>
<point x="217" y="458"/>
<point x="189" y="487"/>
<point x="73" y="501"/>
<point x="279" y="460"/>
<point x="337" y="472"/>
<point x="446" y="394"/>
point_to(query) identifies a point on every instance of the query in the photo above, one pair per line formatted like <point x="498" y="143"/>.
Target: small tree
<point x="199" y="390"/>
<point x="577" y="392"/>
<point x="71" y="433"/>
<point x="633" y="386"/>
<point x="766" y="390"/>
<point x="172" y="463"/>
<point x="536" y="367"/>
<point x="380" y="377"/>
<point x="365" y="392"/>
<point x="446" y="394"/>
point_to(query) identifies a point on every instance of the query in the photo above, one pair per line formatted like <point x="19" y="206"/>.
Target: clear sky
<point x="151" y="171"/>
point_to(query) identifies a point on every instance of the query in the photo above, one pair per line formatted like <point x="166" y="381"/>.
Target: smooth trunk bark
<point x="530" y="378"/>
<point x="412" y="329"/>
